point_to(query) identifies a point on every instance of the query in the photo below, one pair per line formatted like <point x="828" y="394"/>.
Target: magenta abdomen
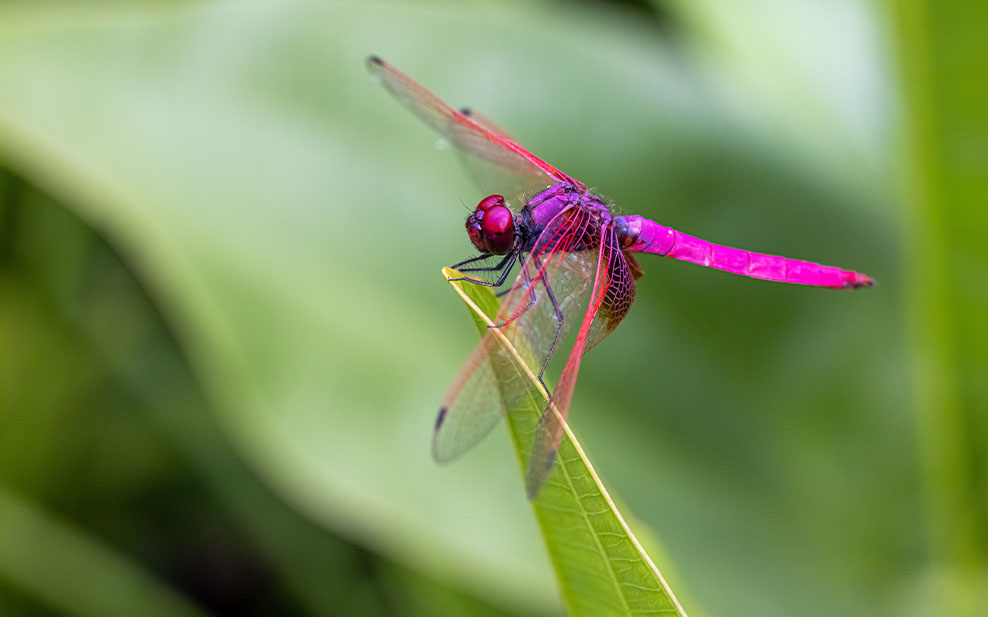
<point x="662" y="240"/>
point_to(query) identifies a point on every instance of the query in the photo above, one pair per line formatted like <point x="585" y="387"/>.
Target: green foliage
<point x="945" y="183"/>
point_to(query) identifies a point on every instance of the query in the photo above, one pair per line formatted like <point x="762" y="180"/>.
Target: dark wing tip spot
<point x="466" y="111"/>
<point x="440" y="417"/>
<point x="375" y="60"/>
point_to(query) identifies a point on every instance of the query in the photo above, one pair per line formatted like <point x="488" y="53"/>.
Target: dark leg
<point x="505" y="266"/>
<point x="477" y="258"/>
<point x="531" y="297"/>
<point x="531" y="302"/>
<point x="559" y="330"/>
<point x="507" y="269"/>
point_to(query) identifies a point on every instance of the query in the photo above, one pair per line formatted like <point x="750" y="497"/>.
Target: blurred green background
<point x="224" y="334"/>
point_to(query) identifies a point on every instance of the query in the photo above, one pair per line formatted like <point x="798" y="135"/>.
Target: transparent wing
<point x="621" y="271"/>
<point x="547" y="299"/>
<point x="613" y="291"/>
<point x="486" y="122"/>
<point x="516" y="186"/>
<point x="495" y="161"/>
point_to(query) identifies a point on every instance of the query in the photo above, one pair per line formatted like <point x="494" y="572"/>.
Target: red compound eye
<point x="490" y="201"/>
<point x="498" y="230"/>
<point x="491" y="227"/>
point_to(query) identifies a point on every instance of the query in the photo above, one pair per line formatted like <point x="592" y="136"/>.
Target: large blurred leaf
<point x="284" y="214"/>
<point x="810" y="72"/>
<point x="102" y="421"/>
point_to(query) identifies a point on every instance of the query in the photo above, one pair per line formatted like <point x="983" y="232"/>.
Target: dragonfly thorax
<point x="491" y="227"/>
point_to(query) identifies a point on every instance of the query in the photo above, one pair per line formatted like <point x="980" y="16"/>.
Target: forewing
<point x="486" y="122"/>
<point x="487" y="385"/>
<point x="501" y="178"/>
<point x="495" y="161"/>
<point x="612" y="293"/>
<point x="527" y="328"/>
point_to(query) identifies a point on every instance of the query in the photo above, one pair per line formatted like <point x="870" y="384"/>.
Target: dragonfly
<point x="576" y="268"/>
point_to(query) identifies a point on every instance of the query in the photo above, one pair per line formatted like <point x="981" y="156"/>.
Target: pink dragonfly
<point x="576" y="269"/>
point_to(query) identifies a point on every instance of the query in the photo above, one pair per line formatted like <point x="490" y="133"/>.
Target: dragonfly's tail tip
<point x="856" y="281"/>
<point x="865" y="281"/>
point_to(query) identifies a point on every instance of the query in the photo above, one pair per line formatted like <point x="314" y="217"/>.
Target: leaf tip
<point x="450" y="273"/>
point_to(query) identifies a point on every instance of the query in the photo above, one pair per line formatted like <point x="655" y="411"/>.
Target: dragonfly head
<point x="491" y="227"/>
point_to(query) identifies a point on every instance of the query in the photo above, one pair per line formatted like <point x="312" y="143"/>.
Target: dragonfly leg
<point x="558" y="313"/>
<point x="504" y="266"/>
<point x="531" y="297"/>
<point x="559" y="330"/>
<point x="504" y="274"/>
<point x="458" y="266"/>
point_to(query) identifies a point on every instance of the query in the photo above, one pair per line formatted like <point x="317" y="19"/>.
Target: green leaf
<point x="601" y="567"/>
<point x="944" y="183"/>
